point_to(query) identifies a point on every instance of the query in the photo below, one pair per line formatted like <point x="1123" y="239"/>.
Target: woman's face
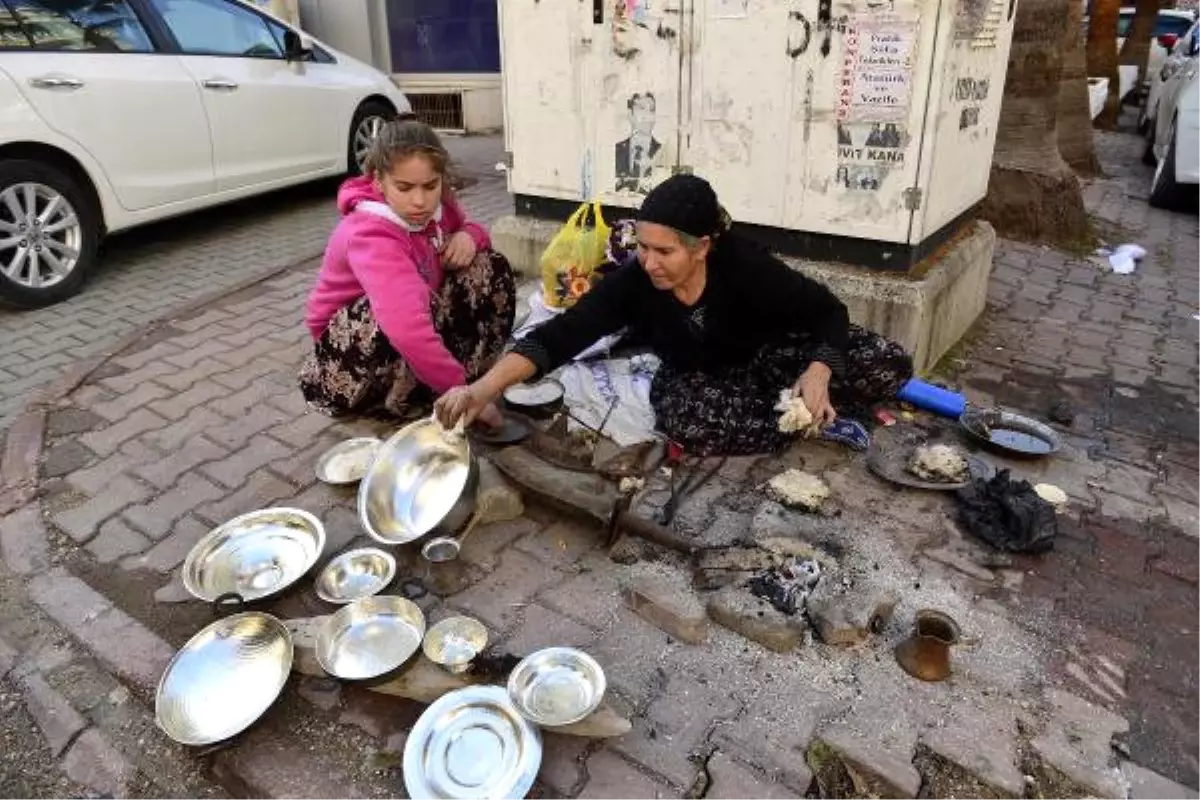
<point x="667" y="260"/>
<point x="412" y="188"/>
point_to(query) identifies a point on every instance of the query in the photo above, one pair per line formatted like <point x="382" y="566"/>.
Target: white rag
<point x="592" y="386"/>
<point x="540" y="313"/>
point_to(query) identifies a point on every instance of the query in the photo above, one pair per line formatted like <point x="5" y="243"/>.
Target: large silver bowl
<point x="254" y="555"/>
<point x="422" y="480"/>
<point x="370" y="637"/>
<point x="224" y="678"/>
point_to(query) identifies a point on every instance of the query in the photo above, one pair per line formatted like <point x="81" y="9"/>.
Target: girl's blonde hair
<point x="403" y="137"/>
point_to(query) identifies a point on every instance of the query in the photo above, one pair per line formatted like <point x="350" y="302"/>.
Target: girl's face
<point x="412" y="188"/>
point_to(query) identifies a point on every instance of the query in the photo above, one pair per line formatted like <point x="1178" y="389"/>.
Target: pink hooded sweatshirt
<point x="374" y="252"/>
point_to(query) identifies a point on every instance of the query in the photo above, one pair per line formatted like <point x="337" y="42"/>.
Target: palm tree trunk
<point x="1074" y="105"/>
<point x="1136" y="49"/>
<point x="1102" y="56"/>
<point x="1033" y="194"/>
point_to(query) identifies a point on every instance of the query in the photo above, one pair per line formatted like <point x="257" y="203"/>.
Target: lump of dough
<point x="796" y="417"/>
<point x="798" y="489"/>
<point x="1051" y="494"/>
<point x="938" y="462"/>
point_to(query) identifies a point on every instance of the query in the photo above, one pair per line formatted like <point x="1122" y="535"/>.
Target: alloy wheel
<point x="40" y="235"/>
<point x="364" y="137"/>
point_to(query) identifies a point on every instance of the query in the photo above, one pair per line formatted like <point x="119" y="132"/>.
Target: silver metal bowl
<point x="557" y="686"/>
<point x="472" y="743"/>
<point x="423" y="480"/>
<point x="355" y="574"/>
<point x="254" y="555"/>
<point x="224" y="678"/>
<point x="370" y="637"/>
<point x="453" y="642"/>
<point x="347" y="462"/>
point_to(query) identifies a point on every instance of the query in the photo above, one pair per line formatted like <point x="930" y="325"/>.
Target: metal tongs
<point x="693" y="481"/>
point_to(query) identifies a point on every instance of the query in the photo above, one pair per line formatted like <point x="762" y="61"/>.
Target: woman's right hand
<point x="466" y="403"/>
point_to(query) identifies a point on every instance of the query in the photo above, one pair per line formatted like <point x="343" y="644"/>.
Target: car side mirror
<point x="296" y="47"/>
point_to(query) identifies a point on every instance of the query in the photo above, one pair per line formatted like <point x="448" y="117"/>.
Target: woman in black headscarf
<point x="732" y="324"/>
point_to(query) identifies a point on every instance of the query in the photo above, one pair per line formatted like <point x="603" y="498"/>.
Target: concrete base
<point x="927" y="311"/>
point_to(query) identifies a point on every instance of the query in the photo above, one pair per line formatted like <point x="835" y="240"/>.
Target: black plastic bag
<point x="1009" y="515"/>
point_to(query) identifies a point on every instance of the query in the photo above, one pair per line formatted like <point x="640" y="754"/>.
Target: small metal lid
<point x="472" y="743"/>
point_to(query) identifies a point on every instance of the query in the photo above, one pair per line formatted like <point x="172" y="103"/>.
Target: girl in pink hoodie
<point x="411" y="299"/>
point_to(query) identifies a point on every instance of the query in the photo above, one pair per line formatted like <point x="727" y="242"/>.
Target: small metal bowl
<point x="557" y="686"/>
<point x="355" y="574"/>
<point x="540" y="400"/>
<point x="453" y="642"/>
<point x="254" y="555"/>
<point x="370" y="637"/>
<point x="347" y="462"/>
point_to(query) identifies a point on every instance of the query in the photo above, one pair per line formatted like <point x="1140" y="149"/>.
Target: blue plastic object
<point x="942" y="402"/>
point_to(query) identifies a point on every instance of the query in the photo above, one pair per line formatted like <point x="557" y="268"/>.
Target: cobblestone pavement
<point x="199" y="421"/>
<point x="145" y="273"/>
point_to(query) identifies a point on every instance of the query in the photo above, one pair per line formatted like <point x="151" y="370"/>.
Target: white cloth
<point x="592" y="386"/>
<point x="539" y="313"/>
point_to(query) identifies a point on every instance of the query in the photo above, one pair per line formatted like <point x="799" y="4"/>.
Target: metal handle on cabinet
<point x="56" y="83"/>
<point x="219" y="84"/>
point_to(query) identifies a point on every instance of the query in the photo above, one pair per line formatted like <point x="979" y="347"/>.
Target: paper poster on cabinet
<point x="634" y="156"/>
<point x="877" y="68"/>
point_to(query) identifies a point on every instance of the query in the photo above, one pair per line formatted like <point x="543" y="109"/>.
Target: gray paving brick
<point x="204" y="371"/>
<point x="261" y="490"/>
<point x="169" y="553"/>
<point x="241" y="377"/>
<point x="130" y="380"/>
<point x="83" y="522"/>
<point x="59" y="721"/>
<point x="195" y="451"/>
<point x="157" y="518"/>
<point x="303" y="430"/>
<point x="192" y="356"/>
<point x="138" y="358"/>
<point x="170" y="437"/>
<point x="117" y="540"/>
<point x="178" y="405"/>
<point x="235" y="469"/>
<point x="109" y="439"/>
<point x="239" y="430"/>
<point x="205" y="318"/>
<point x="243" y="355"/>
<point x="92" y="480"/>
<point x="125" y="404"/>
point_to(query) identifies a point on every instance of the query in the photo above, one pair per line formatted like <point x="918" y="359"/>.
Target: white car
<point x="115" y="113"/>
<point x="1183" y="50"/>
<point x="1176" y="142"/>
<point x="1169" y="26"/>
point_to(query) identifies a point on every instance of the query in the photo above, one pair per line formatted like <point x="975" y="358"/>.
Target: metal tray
<point x="892" y="465"/>
<point x="254" y="555"/>
<point x="370" y="637"/>
<point x="472" y="743"/>
<point x="1009" y="433"/>
<point x="224" y="678"/>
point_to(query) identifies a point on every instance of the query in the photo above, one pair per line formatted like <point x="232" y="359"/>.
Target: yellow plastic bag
<point x="573" y="255"/>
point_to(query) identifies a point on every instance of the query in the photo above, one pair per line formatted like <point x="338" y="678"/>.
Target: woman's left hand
<point x="813" y="386"/>
<point x="459" y="251"/>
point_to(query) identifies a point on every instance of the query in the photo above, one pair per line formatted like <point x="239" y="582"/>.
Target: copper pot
<point x="926" y="653"/>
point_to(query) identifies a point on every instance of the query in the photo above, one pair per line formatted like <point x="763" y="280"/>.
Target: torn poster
<point x="877" y="67"/>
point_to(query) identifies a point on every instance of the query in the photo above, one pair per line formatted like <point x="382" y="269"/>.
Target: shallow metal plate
<point x="412" y="487"/>
<point x="892" y="465"/>
<point x="557" y="686"/>
<point x="347" y="462"/>
<point x="370" y="637"/>
<point x="1010" y="433"/>
<point x="513" y="430"/>
<point x="254" y="555"/>
<point x="472" y="743"/>
<point x="224" y="678"/>
<point x="355" y="574"/>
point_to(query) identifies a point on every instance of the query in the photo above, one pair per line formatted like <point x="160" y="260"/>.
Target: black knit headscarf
<point x="686" y="203"/>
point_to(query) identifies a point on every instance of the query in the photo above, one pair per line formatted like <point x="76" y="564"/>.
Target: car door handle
<point x="219" y="85"/>
<point x="56" y="82"/>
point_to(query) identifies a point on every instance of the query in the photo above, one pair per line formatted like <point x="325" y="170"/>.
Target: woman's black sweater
<point x="750" y="299"/>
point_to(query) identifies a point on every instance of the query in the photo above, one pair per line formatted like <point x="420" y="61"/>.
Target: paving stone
<point x="632" y="652"/>
<point x="128" y="381"/>
<point x="126" y="404"/>
<point x="169" y="553"/>
<point x="158" y="517"/>
<point x="195" y="451"/>
<point x="874" y="771"/>
<point x="664" y="598"/>
<point x="23" y="543"/>
<point x="238" y="431"/>
<point x="204" y="319"/>
<point x="540" y="628"/>
<point x="482" y="548"/>
<point x="1077" y="741"/>
<point x="731" y="780"/>
<point x="93" y="762"/>
<point x="983" y="744"/>
<point x="178" y="405"/>
<point x="756" y="619"/>
<point x="83" y="522"/>
<point x="1145" y="784"/>
<point x="117" y="540"/>
<point x="71" y="421"/>
<point x="301" y="432"/>
<point x="669" y="737"/>
<point x="610" y="777"/>
<point x="562" y="762"/>
<point x="8" y="657"/>
<point x="497" y="598"/>
<point x="64" y="457"/>
<point x="235" y="470"/>
<point x="561" y="544"/>
<point x="172" y="437"/>
<point x="106" y="441"/>
<point x="593" y="597"/>
<point x="262" y="490"/>
<point x="273" y="766"/>
<point x="180" y="379"/>
<point x="324" y="693"/>
<point x="193" y="355"/>
<point x="59" y="721"/>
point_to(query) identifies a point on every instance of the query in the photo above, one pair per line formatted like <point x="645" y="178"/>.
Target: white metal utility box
<point x="851" y="130"/>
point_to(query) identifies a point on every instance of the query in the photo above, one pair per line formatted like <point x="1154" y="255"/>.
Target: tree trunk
<point x="1102" y="55"/>
<point x="1074" y="104"/>
<point x="1136" y="50"/>
<point x="1033" y="194"/>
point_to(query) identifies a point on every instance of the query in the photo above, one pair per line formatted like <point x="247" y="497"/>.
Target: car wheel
<point x="49" y="233"/>
<point x="1164" y="191"/>
<point x="1148" y="157"/>
<point x="365" y="126"/>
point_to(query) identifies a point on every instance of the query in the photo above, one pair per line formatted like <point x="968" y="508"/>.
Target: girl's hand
<point x="459" y="251"/>
<point x="813" y="386"/>
<point x="466" y="403"/>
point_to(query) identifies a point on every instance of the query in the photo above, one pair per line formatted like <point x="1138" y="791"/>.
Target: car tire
<point x="1148" y="157"/>
<point x="369" y="116"/>
<point x="1164" y="191"/>
<point x="72" y="225"/>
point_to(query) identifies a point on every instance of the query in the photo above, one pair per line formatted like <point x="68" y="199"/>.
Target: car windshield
<point x="1166" y="23"/>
